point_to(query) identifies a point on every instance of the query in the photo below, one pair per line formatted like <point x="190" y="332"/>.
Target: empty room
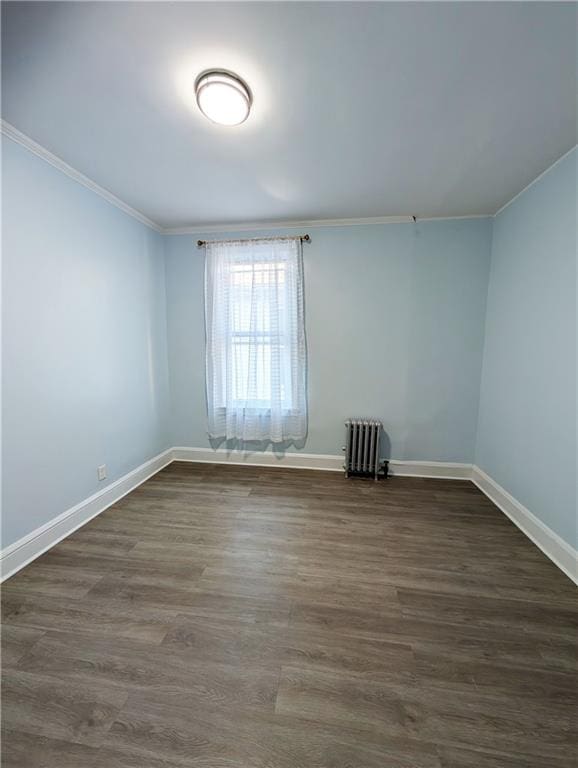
<point x="289" y="385"/>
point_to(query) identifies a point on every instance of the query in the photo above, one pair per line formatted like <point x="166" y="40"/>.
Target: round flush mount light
<point x="223" y="97"/>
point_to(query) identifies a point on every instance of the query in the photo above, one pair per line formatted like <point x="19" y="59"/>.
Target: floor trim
<point x="555" y="548"/>
<point x="31" y="546"/>
<point x="443" y="470"/>
<point x="326" y="462"/>
<point x="319" y="461"/>
<point x="28" y="548"/>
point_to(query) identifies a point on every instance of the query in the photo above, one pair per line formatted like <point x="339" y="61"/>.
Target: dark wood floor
<point x="237" y="617"/>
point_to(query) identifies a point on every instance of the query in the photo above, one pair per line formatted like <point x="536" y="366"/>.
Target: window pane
<point x="258" y="301"/>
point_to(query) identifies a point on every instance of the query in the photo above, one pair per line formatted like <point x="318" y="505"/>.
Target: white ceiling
<point x="360" y="109"/>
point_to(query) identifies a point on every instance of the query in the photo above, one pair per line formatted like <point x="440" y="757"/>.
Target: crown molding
<point x="309" y="223"/>
<point x="11" y="132"/>
<point x="531" y="184"/>
<point x="454" y="218"/>
<point x="200" y="229"/>
<point x="25" y="141"/>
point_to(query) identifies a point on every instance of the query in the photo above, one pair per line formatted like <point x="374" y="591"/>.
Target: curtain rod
<point x="303" y="238"/>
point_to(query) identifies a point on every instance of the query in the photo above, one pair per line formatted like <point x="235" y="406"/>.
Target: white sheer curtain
<point x="256" y="354"/>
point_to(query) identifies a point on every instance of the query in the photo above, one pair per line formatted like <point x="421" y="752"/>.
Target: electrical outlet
<point x="101" y="471"/>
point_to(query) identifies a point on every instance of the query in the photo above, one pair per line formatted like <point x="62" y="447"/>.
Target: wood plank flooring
<point x="239" y="617"/>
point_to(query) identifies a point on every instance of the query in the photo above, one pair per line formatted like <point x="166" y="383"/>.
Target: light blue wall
<point x="103" y="341"/>
<point x="84" y="342"/>
<point x="395" y="324"/>
<point x="527" y="421"/>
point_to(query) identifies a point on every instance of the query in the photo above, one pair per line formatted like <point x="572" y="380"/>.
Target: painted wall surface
<point x="395" y="324"/>
<point x="527" y="422"/>
<point x="84" y="342"/>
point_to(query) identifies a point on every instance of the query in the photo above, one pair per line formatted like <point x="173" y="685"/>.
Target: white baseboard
<point x="323" y="461"/>
<point x="31" y="546"/>
<point x="441" y="469"/>
<point x="555" y="548"/>
<point x="28" y="548"/>
<point x="286" y="460"/>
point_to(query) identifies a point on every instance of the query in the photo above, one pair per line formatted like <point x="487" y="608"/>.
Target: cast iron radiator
<point x="362" y="447"/>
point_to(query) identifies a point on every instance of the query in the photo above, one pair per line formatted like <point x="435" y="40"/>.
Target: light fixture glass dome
<point x="223" y="97"/>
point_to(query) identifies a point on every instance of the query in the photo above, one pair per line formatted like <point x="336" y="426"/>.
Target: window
<point x="256" y="358"/>
<point x="259" y="334"/>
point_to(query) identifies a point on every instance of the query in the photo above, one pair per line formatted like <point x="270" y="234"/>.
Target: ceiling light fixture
<point x="223" y="97"/>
